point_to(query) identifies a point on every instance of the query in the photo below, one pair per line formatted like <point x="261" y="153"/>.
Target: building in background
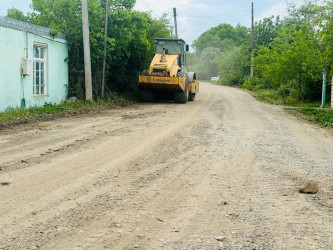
<point x="33" y="65"/>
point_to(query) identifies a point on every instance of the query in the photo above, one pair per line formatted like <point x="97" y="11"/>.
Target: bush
<point x="322" y="116"/>
<point x="254" y="83"/>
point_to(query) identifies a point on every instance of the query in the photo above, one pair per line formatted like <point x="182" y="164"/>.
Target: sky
<point x="197" y="16"/>
<point x="194" y="16"/>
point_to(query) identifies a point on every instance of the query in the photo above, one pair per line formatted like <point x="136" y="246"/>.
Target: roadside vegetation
<point x="291" y="55"/>
<point x="75" y="107"/>
<point x="16" y="114"/>
<point x="322" y="116"/>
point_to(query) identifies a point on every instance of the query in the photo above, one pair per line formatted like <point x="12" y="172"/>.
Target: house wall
<point x="14" y="45"/>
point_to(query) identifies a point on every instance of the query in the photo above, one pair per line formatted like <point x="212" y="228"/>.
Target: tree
<point x="266" y="30"/>
<point x="325" y="34"/>
<point x="17" y="14"/>
<point x="216" y="43"/>
<point x="223" y="36"/>
<point x="293" y="57"/>
<point x="208" y="57"/>
<point x="234" y="65"/>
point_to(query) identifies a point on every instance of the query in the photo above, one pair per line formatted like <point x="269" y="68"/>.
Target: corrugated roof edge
<point x="29" y="27"/>
<point x="170" y="39"/>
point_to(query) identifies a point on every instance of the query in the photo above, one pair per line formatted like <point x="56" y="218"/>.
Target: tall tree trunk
<point x="300" y="85"/>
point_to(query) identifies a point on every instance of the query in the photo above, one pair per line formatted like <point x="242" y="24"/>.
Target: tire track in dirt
<point x="149" y="175"/>
<point x="56" y="174"/>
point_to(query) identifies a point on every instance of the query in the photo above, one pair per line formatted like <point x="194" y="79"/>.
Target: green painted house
<point x="33" y="65"/>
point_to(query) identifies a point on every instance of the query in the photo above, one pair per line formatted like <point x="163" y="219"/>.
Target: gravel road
<point x="222" y="172"/>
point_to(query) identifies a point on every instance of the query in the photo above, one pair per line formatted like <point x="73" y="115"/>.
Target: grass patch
<point x="322" y="116"/>
<point x="272" y="97"/>
<point x="49" y="108"/>
<point x="268" y="96"/>
<point x="311" y="110"/>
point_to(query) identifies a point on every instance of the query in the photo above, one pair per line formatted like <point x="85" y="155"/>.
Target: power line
<point x="156" y="7"/>
<point x="142" y="7"/>
<point x="150" y="8"/>
<point x="153" y="7"/>
<point x="240" y="12"/>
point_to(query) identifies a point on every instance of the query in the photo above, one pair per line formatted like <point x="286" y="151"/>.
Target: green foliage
<point x="266" y="30"/>
<point x="322" y="116"/>
<point x="268" y="96"/>
<point x="124" y="4"/>
<point x="213" y="52"/>
<point x="194" y="64"/>
<point x="51" y="108"/>
<point x="223" y="36"/>
<point x="233" y="65"/>
<point x="276" y="96"/>
<point x="157" y="28"/>
<point x="48" y="108"/>
<point x="309" y="12"/>
<point x="254" y="83"/>
<point x="133" y="47"/>
<point x="208" y="67"/>
<point x="293" y="57"/>
<point x="17" y="14"/>
<point x="290" y="54"/>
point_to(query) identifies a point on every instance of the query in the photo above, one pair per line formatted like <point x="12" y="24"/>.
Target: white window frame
<point x="40" y="87"/>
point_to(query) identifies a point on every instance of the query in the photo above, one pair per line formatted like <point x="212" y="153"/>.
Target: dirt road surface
<point x="222" y="172"/>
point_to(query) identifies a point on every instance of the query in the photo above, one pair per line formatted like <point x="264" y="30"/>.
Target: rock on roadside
<point x="311" y="187"/>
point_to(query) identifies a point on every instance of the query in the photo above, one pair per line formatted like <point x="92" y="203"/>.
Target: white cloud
<point x="276" y="10"/>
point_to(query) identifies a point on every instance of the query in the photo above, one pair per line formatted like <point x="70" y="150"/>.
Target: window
<point x="40" y="69"/>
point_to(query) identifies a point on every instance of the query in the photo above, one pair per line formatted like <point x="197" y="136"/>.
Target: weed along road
<point x="222" y="172"/>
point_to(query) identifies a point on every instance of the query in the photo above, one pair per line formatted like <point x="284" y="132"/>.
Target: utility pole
<point x="175" y="17"/>
<point x="86" y="46"/>
<point x="105" y="37"/>
<point x="323" y="98"/>
<point x="252" y="41"/>
<point x="171" y="31"/>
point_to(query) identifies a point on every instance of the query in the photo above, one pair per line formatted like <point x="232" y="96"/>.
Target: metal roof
<point x="28" y="27"/>
<point x="170" y="39"/>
